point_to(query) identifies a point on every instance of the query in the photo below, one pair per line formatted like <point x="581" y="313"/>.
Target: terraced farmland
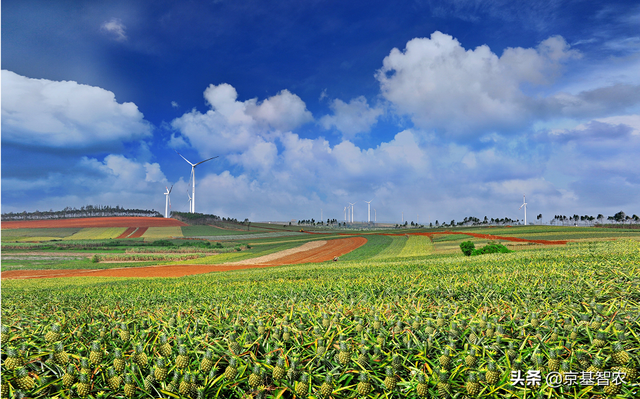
<point x="96" y="233"/>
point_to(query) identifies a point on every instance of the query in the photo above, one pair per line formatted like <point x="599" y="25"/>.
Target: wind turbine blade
<point x="171" y="189"/>
<point x="206" y="160"/>
<point x="184" y="158"/>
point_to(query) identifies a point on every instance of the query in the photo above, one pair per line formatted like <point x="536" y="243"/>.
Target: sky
<point x="432" y="110"/>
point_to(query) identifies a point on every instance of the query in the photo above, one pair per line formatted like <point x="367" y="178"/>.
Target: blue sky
<point x="438" y="109"/>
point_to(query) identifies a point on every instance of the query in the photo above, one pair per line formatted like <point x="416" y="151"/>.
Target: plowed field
<point x="323" y="253"/>
<point x="93" y="222"/>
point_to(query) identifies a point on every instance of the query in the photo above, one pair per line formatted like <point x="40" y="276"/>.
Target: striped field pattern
<point x="96" y="233"/>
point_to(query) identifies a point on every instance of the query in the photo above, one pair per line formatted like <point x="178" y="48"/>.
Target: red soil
<point x="139" y="232"/>
<point x="324" y="253"/>
<point x="93" y="222"/>
<point x="127" y="232"/>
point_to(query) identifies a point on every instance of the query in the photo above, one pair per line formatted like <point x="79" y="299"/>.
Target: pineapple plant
<point x="326" y="389"/>
<point x="416" y="324"/>
<point x="129" y="387"/>
<point x="429" y="329"/>
<point x="113" y="379"/>
<point x="23" y="379"/>
<point x="364" y="386"/>
<point x="325" y="320"/>
<point x="4" y="390"/>
<point x="286" y="334"/>
<point x="619" y="356"/>
<point x="172" y="386"/>
<point x="445" y="359"/>
<point x="278" y="371"/>
<point x="596" y="323"/>
<point x="293" y="373"/>
<point x="4" y="335"/>
<point x="444" y="388"/>
<point x="473" y="336"/>
<point x="581" y="356"/>
<point x="53" y="335"/>
<point x="554" y="363"/>
<point x="380" y="340"/>
<point x="255" y="378"/>
<point x="83" y="386"/>
<point x="141" y="358"/>
<point x="160" y="372"/>
<point x="422" y="388"/>
<point x="182" y="360"/>
<point x="471" y="358"/>
<point x="302" y="386"/>
<point x="59" y="354"/>
<point x="396" y="361"/>
<point x="596" y="366"/>
<point x="490" y="331"/>
<point x="493" y="375"/>
<point x="600" y="340"/>
<point x="149" y="380"/>
<point x="185" y="385"/>
<point x="376" y="323"/>
<point x="84" y="366"/>
<point x="390" y="379"/>
<point x="207" y="362"/>
<point x="344" y="356"/>
<point x="118" y="361"/>
<point x="69" y="378"/>
<point x="231" y="371"/>
<point x="363" y="358"/>
<point x="612" y="389"/>
<point x="165" y="347"/>
<point x="95" y="356"/>
<point x="13" y="360"/>
<point x="261" y="328"/>
<point x="124" y="333"/>
<point x="472" y="385"/>
<point x="234" y="346"/>
<point x="535" y="323"/>
<point x="321" y="348"/>
<point x="630" y="372"/>
<point x="398" y="327"/>
<point x="440" y="320"/>
<point x="511" y="352"/>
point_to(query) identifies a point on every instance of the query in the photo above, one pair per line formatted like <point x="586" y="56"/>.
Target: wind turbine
<point x="167" y="202"/>
<point x="524" y="204"/>
<point x="369" y="211"/>
<point x="375" y="216"/>
<point x="345" y="213"/>
<point x="352" y="210"/>
<point x="193" y="177"/>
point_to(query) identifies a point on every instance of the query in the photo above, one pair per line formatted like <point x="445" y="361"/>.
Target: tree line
<point x="84" y="212"/>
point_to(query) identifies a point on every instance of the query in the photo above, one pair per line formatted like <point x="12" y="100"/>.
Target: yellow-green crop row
<point x="96" y="233"/>
<point x="416" y="246"/>
<point x="154" y="233"/>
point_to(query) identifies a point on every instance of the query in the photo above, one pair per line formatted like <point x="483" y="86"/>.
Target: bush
<point x="467" y="248"/>
<point x="95" y="258"/>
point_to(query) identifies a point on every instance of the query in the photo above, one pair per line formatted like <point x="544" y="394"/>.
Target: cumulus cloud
<point x="45" y="113"/>
<point x="442" y="86"/>
<point x="115" y="28"/>
<point x="351" y="118"/>
<point x="234" y="127"/>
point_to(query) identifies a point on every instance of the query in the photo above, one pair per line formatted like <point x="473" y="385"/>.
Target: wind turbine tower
<point x="351" y="211"/>
<point x="368" y="211"/>
<point x="167" y="202"/>
<point x="193" y="178"/>
<point x="524" y="204"/>
<point x="345" y="213"/>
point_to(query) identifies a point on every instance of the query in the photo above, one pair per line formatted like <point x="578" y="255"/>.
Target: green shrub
<point x="467" y="248"/>
<point x="163" y="243"/>
<point x="491" y="248"/>
<point x="95" y="258"/>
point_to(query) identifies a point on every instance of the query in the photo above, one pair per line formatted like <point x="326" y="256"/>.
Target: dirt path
<point x="322" y="253"/>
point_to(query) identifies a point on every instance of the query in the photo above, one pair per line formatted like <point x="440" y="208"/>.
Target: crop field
<point x="154" y="233"/>
<point x="394" y="318"/>
<point x="96" y="233"/>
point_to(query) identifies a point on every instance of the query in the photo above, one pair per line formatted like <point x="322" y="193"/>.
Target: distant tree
<point x="453" y="222"/>
<point x="620" y="217"/>
<point x="437" y="223"/>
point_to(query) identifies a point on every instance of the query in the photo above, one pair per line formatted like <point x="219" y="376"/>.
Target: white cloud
<point x="45" y="113"/>
<point x="442" y="86"/>
<point x="174" y="104"/>
<point x="233" y="126"/>
<point x="351" y="118"/>
<point x="115" y="28"/>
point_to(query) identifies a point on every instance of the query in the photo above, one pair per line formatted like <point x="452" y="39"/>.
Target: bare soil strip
<point x="127" y="232"/>
<point x="277" y="255"/>
<point x="322" y="253"/>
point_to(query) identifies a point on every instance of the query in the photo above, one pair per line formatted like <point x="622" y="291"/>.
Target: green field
<point x="406" y="304"/>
